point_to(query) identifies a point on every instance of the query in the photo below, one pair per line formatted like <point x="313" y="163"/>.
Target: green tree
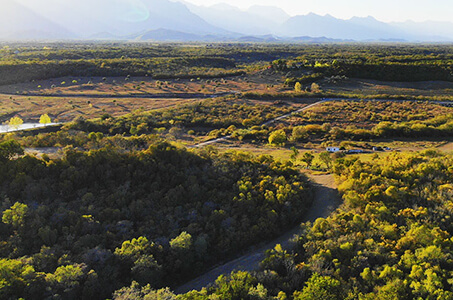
<point x="135" y="291"/>
<point x="147" y="270"/>
<point x="182" y="241"/>
<point x="315" y="88"/>
<point x="9" y="149"/>
<point x="17" y="279"/>
<point x="67" y="280"/>
<point x="236" y="286"/>
<point x="320" y="287"/>
<point x="298" y="87"/>
<point x="326" y="159"/>
<point x="277" y="137"/>
<point x="307" y="158"/>
<point x="15" y="216"/>
<point x="135" y="248"/>
<point x="294" y="153"/>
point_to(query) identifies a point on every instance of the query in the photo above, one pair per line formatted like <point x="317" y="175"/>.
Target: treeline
<point x="393" y="71"/>
<point x="381" y="70"/>
<point x="90" y="223"/>
<point x="244" y="53"/>
<point x="437" y="127"/>
<point x="379" y="62"/>
<point x="179" y="67"/>
<point x="391" y="239"/>
<point x="299" y="63"/>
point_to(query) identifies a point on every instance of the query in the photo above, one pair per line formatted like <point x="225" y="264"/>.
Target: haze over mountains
<point x="164" y="20"/>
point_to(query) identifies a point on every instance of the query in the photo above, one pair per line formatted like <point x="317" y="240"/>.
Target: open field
<point x="66" y="98"/>
<point x="124" y="86"/>
<point x="65" y="109"/>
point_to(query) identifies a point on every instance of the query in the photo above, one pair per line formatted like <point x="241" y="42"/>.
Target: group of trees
<point x="242" y="119"/>
<point x="92" y="222"/>
<point x="16" y="121"/>
<point x="391" y="239"/>
<point x="399" y="63"/>
<point x="156" y="67"/>
<point x="205" y="116"/>
<point x="361" y="120"/>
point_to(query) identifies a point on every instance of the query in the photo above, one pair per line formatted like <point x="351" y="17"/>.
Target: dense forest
<point x="91" y="222"/>
<point x="391" y="239"/>
<point x="19" y="63"/>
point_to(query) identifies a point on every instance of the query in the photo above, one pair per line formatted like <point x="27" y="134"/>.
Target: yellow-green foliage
<point x="45" y="119"/>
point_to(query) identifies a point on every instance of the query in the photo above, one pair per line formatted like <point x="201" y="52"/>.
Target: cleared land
<point x="376" y="88"/>
<point x="66" y="98"/>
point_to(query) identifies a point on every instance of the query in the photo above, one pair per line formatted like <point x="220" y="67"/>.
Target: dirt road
<point x="325" y="202"/>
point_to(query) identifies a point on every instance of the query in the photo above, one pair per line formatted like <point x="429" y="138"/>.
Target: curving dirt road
<point x="325" y="202"/>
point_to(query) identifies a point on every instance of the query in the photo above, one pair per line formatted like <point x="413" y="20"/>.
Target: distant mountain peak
<point x="185" y="21"/>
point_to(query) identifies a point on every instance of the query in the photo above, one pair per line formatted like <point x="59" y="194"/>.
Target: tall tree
<point x="326" y="159"/>
<point x="307" y="158"/>
<point x="298" y="87"/>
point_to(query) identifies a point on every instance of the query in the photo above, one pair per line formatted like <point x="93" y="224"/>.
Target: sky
<point x="383" y="10"/>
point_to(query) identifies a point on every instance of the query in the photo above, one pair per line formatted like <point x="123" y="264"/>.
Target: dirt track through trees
<point x="325" y="202"/>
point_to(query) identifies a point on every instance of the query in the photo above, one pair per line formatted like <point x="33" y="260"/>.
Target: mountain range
<point x="165" y="20"/>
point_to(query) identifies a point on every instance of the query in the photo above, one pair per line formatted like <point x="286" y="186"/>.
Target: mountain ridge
<point x="183" y="21"/>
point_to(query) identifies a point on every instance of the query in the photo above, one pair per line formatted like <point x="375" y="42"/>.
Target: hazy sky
<point x="384" y="10"/>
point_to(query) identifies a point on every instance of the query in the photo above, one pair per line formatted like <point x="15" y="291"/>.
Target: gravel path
<point x="325" y="202"/>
